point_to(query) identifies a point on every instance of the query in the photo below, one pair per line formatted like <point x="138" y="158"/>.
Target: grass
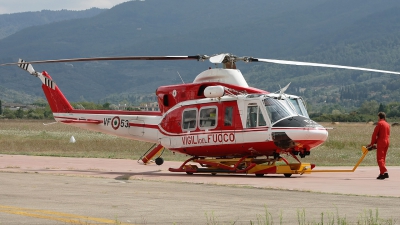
<point x="368" y="217"/>
<point x="343" y="147"/>
<point x="31" y="137"/>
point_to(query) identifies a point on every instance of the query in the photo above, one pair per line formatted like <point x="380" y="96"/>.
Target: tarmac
<point x="361" y="182"/>
<point x="54" y="190"/>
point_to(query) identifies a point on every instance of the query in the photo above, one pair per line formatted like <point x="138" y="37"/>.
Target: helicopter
<point x="218" y="120"/>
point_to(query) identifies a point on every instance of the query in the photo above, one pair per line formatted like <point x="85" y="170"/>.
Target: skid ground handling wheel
<point x="258" y="167"/>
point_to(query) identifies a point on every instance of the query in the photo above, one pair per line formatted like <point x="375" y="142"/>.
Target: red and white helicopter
<point x="222" y="123"/>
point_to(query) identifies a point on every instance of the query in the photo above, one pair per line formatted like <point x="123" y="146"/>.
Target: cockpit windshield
<point x="299" y="106"/>
<point x="288" y="106"/>
<point x="275" y="109"/>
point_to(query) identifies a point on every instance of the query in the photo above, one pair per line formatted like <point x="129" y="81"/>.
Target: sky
<point x="14" y="6"/>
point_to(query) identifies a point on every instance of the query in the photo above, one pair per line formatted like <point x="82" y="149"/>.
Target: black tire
<point x="259" y="174"/>
<point x="189" y="173"/>
<point x="213" y="174"/>
<point x="287" y="174"/>
<point x="159" y="161"/>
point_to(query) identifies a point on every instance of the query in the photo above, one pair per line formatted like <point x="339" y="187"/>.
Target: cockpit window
<point x="275" y="109"/>
<point x="299" y="105"/>
<point x="255" y="117"/>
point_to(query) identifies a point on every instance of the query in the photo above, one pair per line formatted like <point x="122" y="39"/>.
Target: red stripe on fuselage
<point x="151" y="126"/>
<point x="82" y="121"/>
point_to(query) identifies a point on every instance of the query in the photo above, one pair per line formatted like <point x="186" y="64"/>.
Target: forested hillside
<point x="361" y="33"/>
<point x="375" y="44"/>
<point x="11" y="23"/>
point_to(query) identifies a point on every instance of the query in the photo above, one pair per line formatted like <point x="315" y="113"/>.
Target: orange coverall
<point x="381" y="138"/>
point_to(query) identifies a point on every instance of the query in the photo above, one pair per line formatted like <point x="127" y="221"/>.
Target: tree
<point x="1" y="109"/>
<point x="369" y="107"/>
<point x="19" y="113"/>
<point x="8" y="114"/>
<point x="106" y="105"/>
<point x="382" y="108"/>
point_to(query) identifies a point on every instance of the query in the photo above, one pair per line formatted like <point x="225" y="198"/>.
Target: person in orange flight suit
<point x="380" y="137"/>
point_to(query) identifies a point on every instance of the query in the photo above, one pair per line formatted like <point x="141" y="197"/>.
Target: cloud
<point x="13" y="6"/>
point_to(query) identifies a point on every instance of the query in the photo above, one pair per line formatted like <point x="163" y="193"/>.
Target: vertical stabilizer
<point x="57" y="101"/>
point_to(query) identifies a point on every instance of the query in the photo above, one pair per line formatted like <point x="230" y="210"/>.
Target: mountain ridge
<point x="13" y="22"/>
<point x="356" y="33"/>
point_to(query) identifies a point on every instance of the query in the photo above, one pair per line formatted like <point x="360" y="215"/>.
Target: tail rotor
<point x="29" y="68"/>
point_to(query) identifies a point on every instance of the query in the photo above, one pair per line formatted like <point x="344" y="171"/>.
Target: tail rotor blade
<point x="26" y="66"/>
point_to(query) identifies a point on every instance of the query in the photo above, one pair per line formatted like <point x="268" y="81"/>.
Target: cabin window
<point x="189" y="118"/>
<point x="208" y="117"/>
<point x="228" y="116"/>
<point x="254" y="116"/>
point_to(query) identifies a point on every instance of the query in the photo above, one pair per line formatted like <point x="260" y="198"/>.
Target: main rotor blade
<point x="119" y="58"/>
<point x="296" y="63"/>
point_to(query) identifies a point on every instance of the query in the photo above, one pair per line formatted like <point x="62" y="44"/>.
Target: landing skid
<point x="244" y="165"/>
<point x="258" y="167"/>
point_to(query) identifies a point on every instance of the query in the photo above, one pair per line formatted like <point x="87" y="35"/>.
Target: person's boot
<point x="381" y="177"/>
<point x="386" y="175"/>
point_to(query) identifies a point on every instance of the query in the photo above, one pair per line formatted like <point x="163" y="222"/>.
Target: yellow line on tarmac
<point x="57" y="216"/>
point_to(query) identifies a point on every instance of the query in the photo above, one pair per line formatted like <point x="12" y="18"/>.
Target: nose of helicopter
<point x="298" y="130"/>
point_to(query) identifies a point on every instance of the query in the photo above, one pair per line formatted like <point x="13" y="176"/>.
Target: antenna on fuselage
<point x="282" y="90"/>
<point x="180" y="76"/>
